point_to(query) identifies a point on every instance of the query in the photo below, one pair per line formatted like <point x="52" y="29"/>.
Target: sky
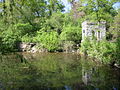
<point x="68" y="7"/>
<point x="117" y="5"/>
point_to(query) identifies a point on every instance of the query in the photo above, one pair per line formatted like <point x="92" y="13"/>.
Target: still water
<point x="55" y="71"/>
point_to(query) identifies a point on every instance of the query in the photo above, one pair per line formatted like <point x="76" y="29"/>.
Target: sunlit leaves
<point x="101" y="8"/>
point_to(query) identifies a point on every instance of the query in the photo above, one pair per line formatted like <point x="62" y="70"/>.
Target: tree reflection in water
<point x="55" y="71"/>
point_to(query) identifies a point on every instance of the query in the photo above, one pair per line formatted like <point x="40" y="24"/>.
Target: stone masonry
<point x="92" y="29"/>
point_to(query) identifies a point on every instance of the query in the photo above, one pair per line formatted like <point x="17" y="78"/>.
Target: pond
<point x="55" y="71"/>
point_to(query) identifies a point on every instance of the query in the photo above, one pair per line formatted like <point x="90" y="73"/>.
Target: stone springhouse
<point x="92" y="29"/>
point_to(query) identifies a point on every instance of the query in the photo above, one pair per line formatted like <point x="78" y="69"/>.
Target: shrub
<point x="71" y="33"/>
<point x="118" y="51"/>
<point x="68" y="46"/>
<point x="23" y="29"/>
<point x="27" y="38"/>
<point x="103" y="50"/>
<point x="9" y="40"/>
<point x="50" y="40"/>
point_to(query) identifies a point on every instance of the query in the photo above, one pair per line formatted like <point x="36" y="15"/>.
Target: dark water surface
<point x="55" y="71"/>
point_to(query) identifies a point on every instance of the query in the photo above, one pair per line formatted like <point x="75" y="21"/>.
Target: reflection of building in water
<point x="67" y="88"/>
<point x="86" y="78"/>
<point x="93" y="30"/>
<point x="87" y="75"/>
<point x="2" y="86"/>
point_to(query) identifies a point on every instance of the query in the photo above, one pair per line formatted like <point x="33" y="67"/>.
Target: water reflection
<point x="55" y="71"/>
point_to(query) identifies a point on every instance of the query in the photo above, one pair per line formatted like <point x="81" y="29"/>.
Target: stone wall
<point x="34" y="47"/>
<point x="92" y="29"/>
<point x="30" y="47"/>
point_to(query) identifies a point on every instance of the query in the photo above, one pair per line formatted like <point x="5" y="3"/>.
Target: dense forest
<point x="46" y="23"/>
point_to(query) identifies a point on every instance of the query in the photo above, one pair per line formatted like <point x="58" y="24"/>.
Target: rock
<point x="30" y="47"/>
<point x="43" y="50"/>
<point x="116" y="65"/>
<point x="25" y="46"/>
<point x="34" y="49"/>
<point x="78" y="50"/>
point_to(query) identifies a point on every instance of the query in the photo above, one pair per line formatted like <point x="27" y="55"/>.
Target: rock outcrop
<point x="30" y="47"/>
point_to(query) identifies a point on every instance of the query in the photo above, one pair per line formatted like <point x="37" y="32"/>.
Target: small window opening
<point x="98" y="34"/>
<point x="93" y="33"/>
<point x="83" y="31"/>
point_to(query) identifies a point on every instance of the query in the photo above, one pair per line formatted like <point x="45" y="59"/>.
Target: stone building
<point x="93" y="30"/>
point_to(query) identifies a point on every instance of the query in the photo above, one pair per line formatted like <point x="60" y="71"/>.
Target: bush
<point x="27" y="38"/>
<point x="9" y="40"/>
<point x="115" y="27"/>
<point x="71" y="33"/>
<point x="49" y="40"/>
<point x="56" y="22"/>
<point x="23" y="29"/>
<point x="118" y="51"/>
<point x="104" y="51"/>
<point x="68" y="46"/>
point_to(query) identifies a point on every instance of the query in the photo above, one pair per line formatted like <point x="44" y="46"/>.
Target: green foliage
<point x="54" y="6"/>
<point x="27" y="38"/>
<point x="115" y="34"/>
<point x="43" y="22"/>
<point x="104" y="51"/>
<point x="2" y="26"/>
<point x="118" y="51"/>
<point x="115" y="27"/>
<point x="23" y="29"/>
<point x="56" y="22"/>
<point x="71" y="33"/>
<point x="9" y="40"/>
<point x="50" y="40"/>
<point x="68" y="46"/>
<point x="99" y="9"/>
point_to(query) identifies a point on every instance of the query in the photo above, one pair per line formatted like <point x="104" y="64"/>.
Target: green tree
<point x="115" y="27"/>
<point x="55" y="6"/>
<point x="55" y="22"/>
<point x="99" y="9"/>
<point x="71" y="33"/>
<point x="115" y="31"/>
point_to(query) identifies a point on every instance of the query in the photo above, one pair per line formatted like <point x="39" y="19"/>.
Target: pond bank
<point x="35" y="47"/>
